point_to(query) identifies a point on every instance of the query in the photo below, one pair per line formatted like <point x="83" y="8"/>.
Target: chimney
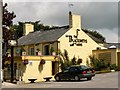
<point x="28" y="27"/>
<point x="74" y="20"/>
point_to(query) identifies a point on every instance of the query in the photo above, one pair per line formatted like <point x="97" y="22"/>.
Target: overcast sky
<point x="99" y="16"/>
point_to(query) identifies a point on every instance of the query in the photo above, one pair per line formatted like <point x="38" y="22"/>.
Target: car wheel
<point x="77" y="78"/>
<point x="57" y="78"/>
<point x="89" y="78"/>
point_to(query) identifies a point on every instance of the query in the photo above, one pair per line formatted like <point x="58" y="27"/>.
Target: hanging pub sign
<point x="25" y="61"/>
<point x="42" y="61"/>
<point x="74" y="40"/>
<point x="18" y="50"/>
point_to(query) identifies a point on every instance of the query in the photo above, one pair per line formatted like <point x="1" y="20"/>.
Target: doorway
<point x="54" y="67"/>
<point x="46" y="50"/>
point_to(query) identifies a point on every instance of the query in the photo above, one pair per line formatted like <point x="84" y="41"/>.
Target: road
<point x="108" y="80"/>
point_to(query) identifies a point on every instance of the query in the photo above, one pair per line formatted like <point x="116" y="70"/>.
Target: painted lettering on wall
<point x="74" y="39"/>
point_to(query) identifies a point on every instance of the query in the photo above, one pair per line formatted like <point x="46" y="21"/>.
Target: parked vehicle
<point x="75" y="73"/>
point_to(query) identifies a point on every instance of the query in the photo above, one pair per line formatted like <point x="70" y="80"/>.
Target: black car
<point x="75" y="73"/>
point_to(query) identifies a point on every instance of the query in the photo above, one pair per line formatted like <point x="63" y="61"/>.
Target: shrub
<point x="73" y="61"/>
<point x="79" y="61"/>
<point x="66" y="62"/>
<point x="113" y="67"/>
<point x="98" y="64"/>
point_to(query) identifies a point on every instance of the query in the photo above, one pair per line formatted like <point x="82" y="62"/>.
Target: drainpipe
<point x="58" y="47"/>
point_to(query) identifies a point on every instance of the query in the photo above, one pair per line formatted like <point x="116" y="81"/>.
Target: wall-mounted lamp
<point x="12" y="42"/>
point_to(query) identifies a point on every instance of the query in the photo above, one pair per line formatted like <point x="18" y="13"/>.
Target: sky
<point x="99" y="16"/>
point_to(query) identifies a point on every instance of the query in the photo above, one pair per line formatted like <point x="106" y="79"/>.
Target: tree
<point x="95" y="34"/>
<point x="6" y="27"/>
<point x="7" y="23"/>
<point x="73" y="61"/>
<point x="18" y="28"/>
<point x="98" y="64"/>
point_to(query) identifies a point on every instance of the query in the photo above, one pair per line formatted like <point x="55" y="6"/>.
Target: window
<point x="105" y="56"/>
<point x="98" y="48"/>
<point x="46" y="50"/>
<point x="82" y="67"/>
<point x="31" y="51"/>
<point x="66" y="71"/>
<point x="72" y="70"/>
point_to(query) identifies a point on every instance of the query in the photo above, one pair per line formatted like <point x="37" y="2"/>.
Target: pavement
<point x="8" y="84"/>
<point x="106" y="80"/>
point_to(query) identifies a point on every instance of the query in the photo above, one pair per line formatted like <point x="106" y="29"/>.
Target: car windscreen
<point x="82" y="67"/>
<point x="66" y="69"/>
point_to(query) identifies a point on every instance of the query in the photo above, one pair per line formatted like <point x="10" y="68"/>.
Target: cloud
<point x="96" y="15"/>
<point x="100" y="15"/>
<point x="61" y="0"/>
<point x="110" y="35"/>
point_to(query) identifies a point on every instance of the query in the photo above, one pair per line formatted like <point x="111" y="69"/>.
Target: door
<point x="69" y="74"/>
<point x="65" y="74"/>
<point x="72" y="72"/>
<point x="118" y="58"/>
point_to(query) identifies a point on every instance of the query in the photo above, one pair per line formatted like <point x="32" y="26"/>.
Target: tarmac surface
<point x="106" y="80"/>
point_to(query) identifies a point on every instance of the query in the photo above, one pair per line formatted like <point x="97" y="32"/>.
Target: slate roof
<point x="41" y="36"/>
<point x="95" y="39"/>
<point x="47" y="36"/>
<point x="108" y="45"/>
